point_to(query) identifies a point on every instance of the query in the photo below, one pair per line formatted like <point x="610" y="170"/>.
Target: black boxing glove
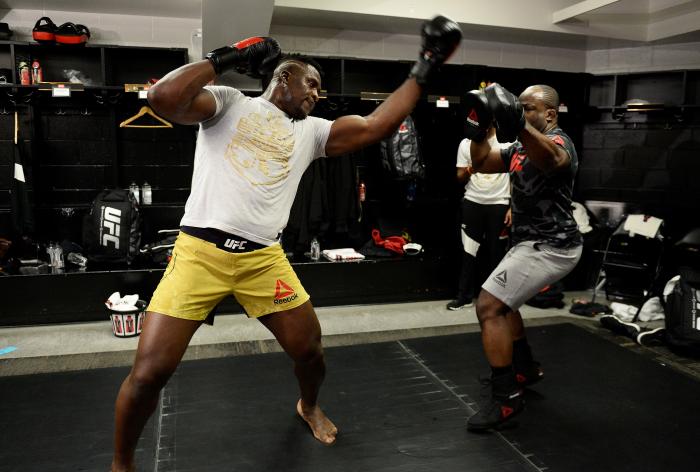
<point x="255" y="57"/>
<point x="508" y="113"/>
<point x="441" y="36"/>
<point x="479" y="117"/>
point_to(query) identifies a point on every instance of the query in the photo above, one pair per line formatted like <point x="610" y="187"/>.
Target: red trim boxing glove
<point x="256" y="57"/>
<point x="441" y="36"/>
<point x="508" y="113"/>
<point x="479" y="117"/>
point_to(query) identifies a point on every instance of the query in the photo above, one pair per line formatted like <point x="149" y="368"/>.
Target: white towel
<point x="344" y="254"/>
<point x="643" y="225"/>
<point x="652" y="310"/>
<point x="623" y="311"/>
<point x="118" y="303"/>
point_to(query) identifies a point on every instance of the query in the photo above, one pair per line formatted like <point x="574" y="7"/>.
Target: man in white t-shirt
<point x="485" y="218"/>
<point x="250" y="156"/>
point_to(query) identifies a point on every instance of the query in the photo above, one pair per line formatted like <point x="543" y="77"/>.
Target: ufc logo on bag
<point x="111" y="226"/>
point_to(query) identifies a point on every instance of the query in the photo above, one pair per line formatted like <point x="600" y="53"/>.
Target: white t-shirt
<point x="248" y="163"/>
<point x="486" y="189"/>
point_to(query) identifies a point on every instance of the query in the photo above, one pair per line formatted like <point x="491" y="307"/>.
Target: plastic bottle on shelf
<point x="25" y="77"/>
<point x="146" y="194"/>
<point x="60" y="264"/>
<point x="315" y="252"/>
<point x="37" y="74"/>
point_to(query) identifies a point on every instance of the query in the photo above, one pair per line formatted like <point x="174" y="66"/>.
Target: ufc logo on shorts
<point x="111" y="226"/>
<point x="235" y="244"/>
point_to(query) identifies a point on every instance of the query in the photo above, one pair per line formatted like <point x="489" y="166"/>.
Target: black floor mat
<point x="400" y="406"/>
<point x="238" y="414"/>
<point x="600" y="407"/>
<point x="63" y="422"/>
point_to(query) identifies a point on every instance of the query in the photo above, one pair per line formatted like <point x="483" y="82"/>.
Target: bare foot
<point x="120" y="468"/>
<point x="322" y="428"/>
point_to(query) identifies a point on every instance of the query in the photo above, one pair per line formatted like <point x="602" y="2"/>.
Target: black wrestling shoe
<point x="506" y="402"/>
<point x="652" y="337"/>
<point x="528" y="374"/>
<point x="459" y="303"/>
<point x="624" y="328"/>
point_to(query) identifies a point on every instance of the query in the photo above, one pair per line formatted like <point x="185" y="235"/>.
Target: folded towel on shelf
<point x="343" y="254"/>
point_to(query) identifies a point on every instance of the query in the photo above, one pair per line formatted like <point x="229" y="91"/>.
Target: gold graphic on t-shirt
<point x="261" y="148"/>
<point x="487" y="177"/>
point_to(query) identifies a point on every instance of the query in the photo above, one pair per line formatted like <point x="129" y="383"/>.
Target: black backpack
<point x="112" y="227"/>
<point x="683" y="314"/>
<point x="401" y="156"/>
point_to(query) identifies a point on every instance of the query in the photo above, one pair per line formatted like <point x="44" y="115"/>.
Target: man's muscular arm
<point x="542" y="151"/>
<point x="441" y="36"/>
<point x="352" y="132"/>
<point x="180" y="96"/>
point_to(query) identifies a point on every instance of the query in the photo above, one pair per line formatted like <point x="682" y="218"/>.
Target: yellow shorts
<point x="200" y="275"/>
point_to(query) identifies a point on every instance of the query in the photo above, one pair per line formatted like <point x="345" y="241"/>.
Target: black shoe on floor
<point x="460" y="303"/>
<point x="624" y="328"/>
<point x="529" y="374"/>
<point x="656" y="336"/>
<point x="505" y="403"/>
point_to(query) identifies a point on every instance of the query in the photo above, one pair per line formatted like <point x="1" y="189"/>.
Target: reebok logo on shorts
<point x="284" y="293"/>
<point x="501" y="279"/>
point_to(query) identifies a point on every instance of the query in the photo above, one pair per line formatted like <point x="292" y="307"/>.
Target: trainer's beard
<point x="299" y="115"/>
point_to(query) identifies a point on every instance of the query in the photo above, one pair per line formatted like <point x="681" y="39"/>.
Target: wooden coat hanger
<point x="145" y="110"/>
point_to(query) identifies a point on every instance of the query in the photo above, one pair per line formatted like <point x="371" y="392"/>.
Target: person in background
<point x="486" y="218"/>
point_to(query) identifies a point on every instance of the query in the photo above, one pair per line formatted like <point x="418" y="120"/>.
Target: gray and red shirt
<point x="540" y="202"/>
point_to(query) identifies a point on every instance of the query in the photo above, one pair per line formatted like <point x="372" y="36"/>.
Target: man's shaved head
<point x="541" y="105"/>
<point x="544" y="93"/>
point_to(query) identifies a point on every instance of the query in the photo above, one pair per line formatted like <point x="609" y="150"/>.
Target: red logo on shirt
<point x="516" y="162"/>
<point x="557" y="139"/>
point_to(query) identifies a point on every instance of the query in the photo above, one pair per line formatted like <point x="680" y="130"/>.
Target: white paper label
<point x="143" y="94"/>
<point x="442" y="103"/>
<point x="60" y="92"/>
<point x="19" y="172"/>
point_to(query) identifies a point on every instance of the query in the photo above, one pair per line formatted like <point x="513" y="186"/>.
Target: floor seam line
<point x="460" y="398"/>
<point x="159" y="425"/>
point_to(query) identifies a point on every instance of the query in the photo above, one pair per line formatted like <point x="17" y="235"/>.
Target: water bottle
<point x="37" y="74"/>
<point x="59" y="257"/>
<point x="146" y="195"/>
<point x="135" y="191"/>
<point x="25" y="75"/>
<point x="362" y="191"/>
<point x="315" y="252"/>
<point x="52" y="254"/>
<point x="55" y="252"/>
